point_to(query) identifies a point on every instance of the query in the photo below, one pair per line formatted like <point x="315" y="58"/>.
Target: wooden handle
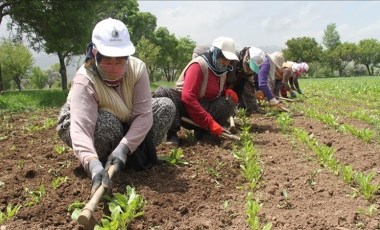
<point x="86" y="218"/>
<point x="232" y="122"/>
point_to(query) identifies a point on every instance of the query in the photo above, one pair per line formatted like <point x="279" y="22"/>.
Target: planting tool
<point x="86" y="218"/>
<point x="286" y="99"/>
<point x="232" y="125"/>
<point x="225" y="133"/>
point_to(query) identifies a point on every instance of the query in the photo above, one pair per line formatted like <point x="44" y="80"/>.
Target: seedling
<point x="370" y="211"/>
<point x="21" y="164"/>
<point x="348" y="174"/>
<point x="11" y="211"/>
<point x="58" y="181"/>
<point x="286" y="203"/>
<point x="75" y="209"/>
<point x="35" y="196"/>
<point x="311" y="180"/>
<point x="253" y="209"/>
<point x="366" y="188"/>
<point x="59" y="149"/>
<point x="285" y="122"/>
<point x="175" y="157"/>
<point x="124" y="209"/>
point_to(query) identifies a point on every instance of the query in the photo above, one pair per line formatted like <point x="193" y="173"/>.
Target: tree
<point x="344" y="54"/>
<point x="55" y="26"/>
<point x="148" y="52"/>
<point x="302" y="49"/>
<point x="168" y="43"/>
<point x="52" y="75"/>
<point x="16" y="60"/>
<point x="331" y="37"/>
<point x="369" y="54"/>
<point x="183" y="55"/>
<point x="38" y="78"/>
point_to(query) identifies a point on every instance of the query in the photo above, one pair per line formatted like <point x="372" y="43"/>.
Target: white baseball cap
<point x="277" y="58"/>
<point x="111" y="38"/>
<point x="227" y="45"/>
<point x="256" y="58"/>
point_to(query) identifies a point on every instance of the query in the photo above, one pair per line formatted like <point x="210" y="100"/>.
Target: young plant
<point x="348" y="174"/>
<point x="253" y="209"/>
<point x="21" y="164"/>
<point x="124" y="209"/>
<point x="370" y="211"/>
<point x="286" y="203"/>
<point x="58" y="181"/>
<point x="75" y="209"/>
<point x="10" y="212"/>
<point x="366" y="188"/>
<point x="59" y="149"/>
<point x="175" y="157"/>
<point x="311" y="180"/>
<point x="35" y="196"/>
<point x="285" y="122"/>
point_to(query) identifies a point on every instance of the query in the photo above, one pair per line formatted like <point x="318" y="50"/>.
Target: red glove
<point x="215" y="128"/>
<point x="231" y="94"/>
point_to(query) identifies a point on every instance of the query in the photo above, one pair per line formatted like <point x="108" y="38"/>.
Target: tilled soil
<point x="208" y="193"/>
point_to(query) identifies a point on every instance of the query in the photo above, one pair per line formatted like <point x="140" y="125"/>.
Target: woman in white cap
<point x="109" y="116"/>
<point x="243" y="77"/>
<point x="200" y="93"/>
<point x="291" y="72"/>
<point x="298" y="70"/>
<point x="266" y="76"/>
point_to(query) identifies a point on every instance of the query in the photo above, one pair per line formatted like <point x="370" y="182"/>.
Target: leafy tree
<point x="52" y="75"/>
<point x="184" y="51"/>
<point x="16" y="60"/>
<point x="168" y="43"/>
<point x="344" y="54"/>
<point x="38" y="78"/>
<point x="55" y="26"/>
<point x="369" y="54"/>
<point x="331" y="37"/>
<point x="302" y="49"/>
<point x="148" y="52"/>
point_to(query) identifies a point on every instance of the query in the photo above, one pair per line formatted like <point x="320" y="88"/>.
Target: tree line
<point x="64" y="28"/>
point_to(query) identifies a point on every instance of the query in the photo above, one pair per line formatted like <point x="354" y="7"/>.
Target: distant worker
<point x="242" y="77"/>
<point x="266" y="76"/>
<point x="200" y="93"/>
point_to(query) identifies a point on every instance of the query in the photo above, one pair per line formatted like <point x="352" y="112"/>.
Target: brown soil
<point x="208" y="193"/>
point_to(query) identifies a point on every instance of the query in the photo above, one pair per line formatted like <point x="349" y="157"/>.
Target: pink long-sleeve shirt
<point x="84" y="113"/>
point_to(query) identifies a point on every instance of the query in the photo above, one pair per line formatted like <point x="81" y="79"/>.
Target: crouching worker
<point x="110" y="117"/>
<point x="200" y="93"/>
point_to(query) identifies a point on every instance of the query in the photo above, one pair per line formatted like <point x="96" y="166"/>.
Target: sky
<point x="266" y="23"/>
<point x="257" y="23"/>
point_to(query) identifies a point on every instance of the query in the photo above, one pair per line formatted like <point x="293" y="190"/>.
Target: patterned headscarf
<point x="216" y="67"/>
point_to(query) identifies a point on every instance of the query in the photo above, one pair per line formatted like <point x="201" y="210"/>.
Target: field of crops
<point x="317" y="167"/>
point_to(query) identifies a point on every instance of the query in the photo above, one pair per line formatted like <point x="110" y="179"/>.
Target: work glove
<point x="215" y="128"/>
<point x="274" y="101"/>
<point x="231" y="94"/>
<point x="99" y="175"/>
<point x="260" y="95"/>
<point x="118" y="157"/>
<point x="293" y="94"/>
<point x="299" y="91"/>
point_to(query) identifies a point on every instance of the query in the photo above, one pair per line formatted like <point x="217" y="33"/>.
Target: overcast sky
<point x="258" y="23"/>
<point x="266" y="23"/>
